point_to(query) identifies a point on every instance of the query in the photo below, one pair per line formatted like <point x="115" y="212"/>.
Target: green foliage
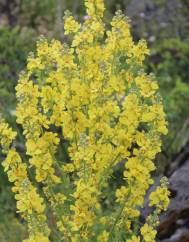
<point x="17" y="232"/>
<point x="170" y="63"/>
<point x="8" y="218"/>
<point x="14" y="45"/>
<point x="177" y="103"/>
<point x="170" y="60"/>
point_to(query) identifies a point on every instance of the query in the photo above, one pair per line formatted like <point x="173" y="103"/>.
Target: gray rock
<point x="174" y="226"/>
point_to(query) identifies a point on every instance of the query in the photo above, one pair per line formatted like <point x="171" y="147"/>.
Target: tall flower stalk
<point x="95" y="94"/>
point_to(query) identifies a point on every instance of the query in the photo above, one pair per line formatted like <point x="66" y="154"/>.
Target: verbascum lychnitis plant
<point x="95" y="95"/>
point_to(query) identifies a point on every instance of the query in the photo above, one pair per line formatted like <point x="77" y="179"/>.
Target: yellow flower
<point x="35" y="63"/>
<point x="86" y="110"/>
<point x="148" y="233"/>
<point x="6" y="136"/>
<point x="134" y="239"/>
<point x="70" y="25"/>
<point x="103" y="237"/>
<point x="37" y="238"/>
<point x="29" y="203"/>
<point x="95" y="8"/>
<point x="160" y="197"/>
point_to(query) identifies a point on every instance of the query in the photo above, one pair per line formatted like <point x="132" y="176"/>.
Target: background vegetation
<point x="163" y="23"/>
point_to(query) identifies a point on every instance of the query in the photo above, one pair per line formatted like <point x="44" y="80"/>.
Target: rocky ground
<point x="174" y="225"/>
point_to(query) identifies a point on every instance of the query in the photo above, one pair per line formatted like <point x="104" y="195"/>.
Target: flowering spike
<point x="94" y="98"/>
<point x="95" y="8"/>
<point x="29" y="204"/>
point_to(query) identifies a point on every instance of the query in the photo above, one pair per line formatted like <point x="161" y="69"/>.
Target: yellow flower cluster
<point x="134" y="239"/>
<point x="6" y="136"/>
<point x="71" y="26"/>
<point x="29" y="203"/>
<point x="95" y="8"/>
<point x="159" y="197"/>
<point x="148" y="233"/>
<point x="160" y="200"/>
<point x="95" y="95"/>
<point x="103" y="237"/>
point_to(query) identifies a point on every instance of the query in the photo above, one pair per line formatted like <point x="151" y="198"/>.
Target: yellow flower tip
<point x="7" y="135"/>
<point x="104" y="237"/>
<point x="148" y="233"/>
<point x="160" y="197"/>
<point x="95" y="8"/>
<point x="71" y="26"/>
<point x="134" y="239"/>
